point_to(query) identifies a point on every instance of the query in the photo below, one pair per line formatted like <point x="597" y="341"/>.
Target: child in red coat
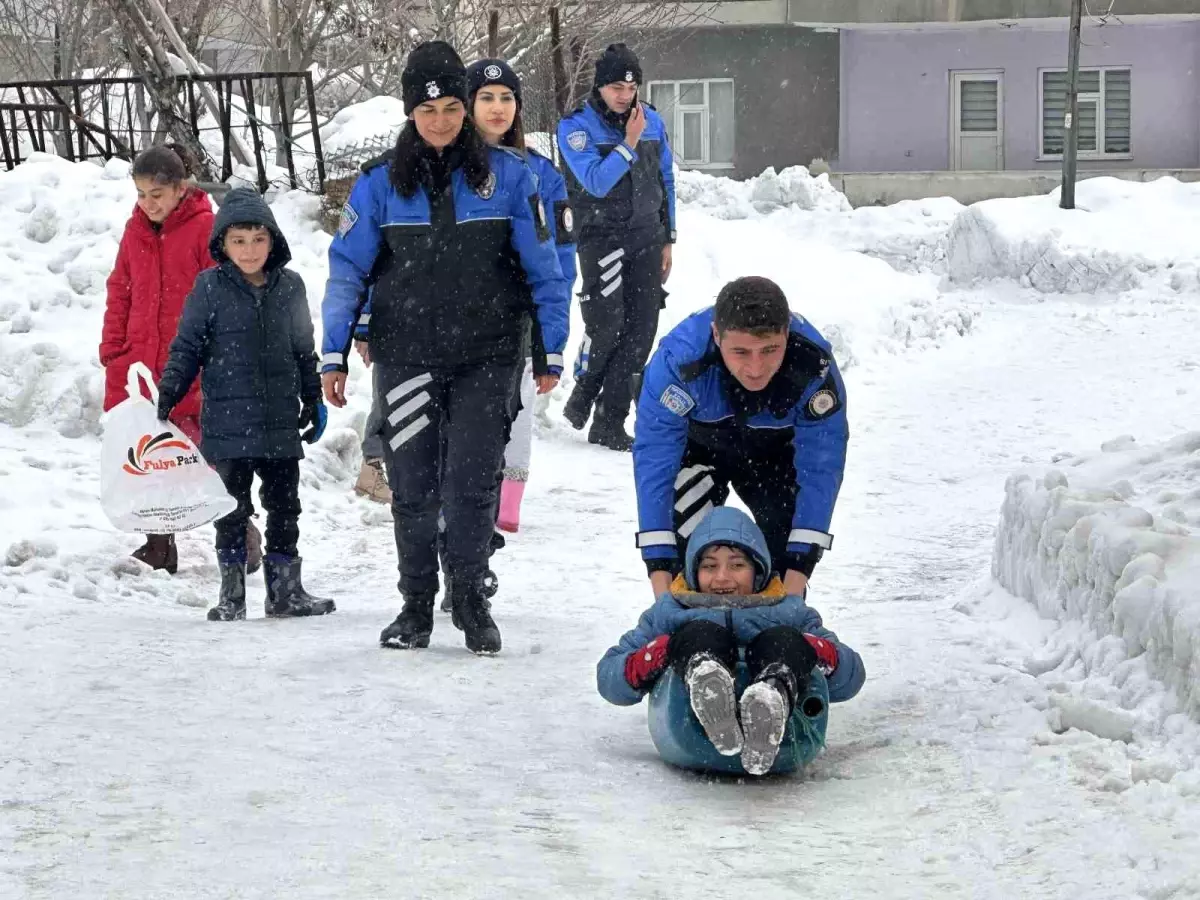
<point x="163" y="249"/>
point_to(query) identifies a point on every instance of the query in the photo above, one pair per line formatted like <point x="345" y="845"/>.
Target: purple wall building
<point x="990" y="96"/>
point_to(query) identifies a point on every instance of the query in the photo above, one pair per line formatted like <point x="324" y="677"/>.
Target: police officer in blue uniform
<point x="622" y="188"/>
<point x="745" y="394"/>
<point x="453" y="239"/>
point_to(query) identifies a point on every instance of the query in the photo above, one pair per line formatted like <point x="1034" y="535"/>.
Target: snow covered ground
<point x="1036" y="743"/>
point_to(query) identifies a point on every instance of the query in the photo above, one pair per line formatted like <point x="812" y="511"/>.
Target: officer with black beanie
<point x="433" y="70"/>
<point x="620" y="176"/>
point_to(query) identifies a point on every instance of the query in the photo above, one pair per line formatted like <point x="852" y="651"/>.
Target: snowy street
<point x="148" y="753"/>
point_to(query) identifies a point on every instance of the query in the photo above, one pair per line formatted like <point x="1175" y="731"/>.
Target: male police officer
<point x="744" y="394"/>
<point x="619" y="175"/>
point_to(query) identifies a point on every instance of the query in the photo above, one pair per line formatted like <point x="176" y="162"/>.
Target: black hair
<point x="405" y="172"/>
<point x="754" y="304"/>
<point x="169" y="164"/>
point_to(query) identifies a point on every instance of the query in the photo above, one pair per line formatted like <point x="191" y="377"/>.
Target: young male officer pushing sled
<point x="743" y="394"/>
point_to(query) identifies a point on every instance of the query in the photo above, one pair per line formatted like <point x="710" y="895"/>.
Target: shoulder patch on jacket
<point x="348" y="221"/>
<point x="577" y="140"/>
<point x="824" y="402"/>
<point x="677" y="400"/>
<point x="564" y="221"/>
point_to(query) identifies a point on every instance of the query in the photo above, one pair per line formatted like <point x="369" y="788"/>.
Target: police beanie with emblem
<point x="618" y="63"/>
<point x="432" y="70"/>
<point x="492" y="71"/>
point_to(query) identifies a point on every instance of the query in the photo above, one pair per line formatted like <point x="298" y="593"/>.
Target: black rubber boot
<point x="231" y="602"/>
<point x="412" y="628"/>
<point x="613" y="439"/>
<point x="286" y="597"/>
<point x="470" y="615"/>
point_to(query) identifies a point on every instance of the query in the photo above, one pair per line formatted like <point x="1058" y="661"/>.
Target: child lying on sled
<point x="727" y="628"/>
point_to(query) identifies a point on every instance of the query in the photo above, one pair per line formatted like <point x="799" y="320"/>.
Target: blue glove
<point x="313" y="413"/>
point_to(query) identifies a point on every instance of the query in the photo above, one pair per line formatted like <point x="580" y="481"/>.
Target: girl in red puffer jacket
<point x="163" y="249"/>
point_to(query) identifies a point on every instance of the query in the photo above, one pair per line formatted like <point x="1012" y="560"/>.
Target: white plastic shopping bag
<point x="153" y="480"/>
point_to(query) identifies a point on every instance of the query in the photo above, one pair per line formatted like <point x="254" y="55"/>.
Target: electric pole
<point x="1071" y="119"/>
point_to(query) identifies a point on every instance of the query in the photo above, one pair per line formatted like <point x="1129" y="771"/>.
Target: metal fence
<point x="273" y="114"/>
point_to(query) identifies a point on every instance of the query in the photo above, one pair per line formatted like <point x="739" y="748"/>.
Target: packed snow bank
<point x="1120" y="234"/>
<point x="725" y="198"/>
<point x="373" y="121"/>
<point x="1109" y="541"/>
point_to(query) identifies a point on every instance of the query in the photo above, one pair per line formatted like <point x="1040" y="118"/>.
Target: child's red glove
<point x="827" y="654"/>
<point x="642" y="667"/>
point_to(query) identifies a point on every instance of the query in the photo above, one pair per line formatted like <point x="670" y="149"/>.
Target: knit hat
<point x="618" y="64"/>
<point x="432" y="70"/>
<point x="492" y="71"/>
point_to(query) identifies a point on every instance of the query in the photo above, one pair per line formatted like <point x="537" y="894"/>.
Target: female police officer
<point x="453" y="238"/>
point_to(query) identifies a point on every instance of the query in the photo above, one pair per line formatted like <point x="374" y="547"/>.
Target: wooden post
<point x="493" y="34"/>
<point x="562" y="90"/>
<point x="1071" y="120"/>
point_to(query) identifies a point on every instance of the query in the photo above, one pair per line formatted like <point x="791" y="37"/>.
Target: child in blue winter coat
<point x="727" y="628"/>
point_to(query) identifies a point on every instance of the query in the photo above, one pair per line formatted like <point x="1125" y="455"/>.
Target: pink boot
<point x="511" y="493"/>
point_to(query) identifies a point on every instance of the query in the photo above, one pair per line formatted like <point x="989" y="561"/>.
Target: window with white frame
<point x="1105" y="113"/>
<point x="699" y="118"/>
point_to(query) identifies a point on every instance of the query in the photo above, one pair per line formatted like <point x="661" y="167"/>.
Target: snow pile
<point x="60" y="234"/>
<point x="1107" y="541"/>
<point x="374" y="121"/>
<point x="1120" y="234"/>
<point x="724" y="198"/>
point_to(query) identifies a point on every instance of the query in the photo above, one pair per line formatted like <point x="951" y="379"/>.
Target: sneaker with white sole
<point x="764" y="718"/>
<point x="711" y="691"/>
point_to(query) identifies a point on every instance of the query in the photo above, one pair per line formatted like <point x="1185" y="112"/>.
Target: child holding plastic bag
<point x="739" y="673"/>
<point x="163" y="249"/>
<point x="247" y="325"/>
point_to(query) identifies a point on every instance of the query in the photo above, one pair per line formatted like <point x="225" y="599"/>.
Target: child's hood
<point x="730" y="526"/>
<point x="243" y="206"/>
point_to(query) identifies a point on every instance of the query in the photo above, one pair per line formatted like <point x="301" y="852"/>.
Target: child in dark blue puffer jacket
<point x="246" y="324"/>
<point x="727" y="625"/>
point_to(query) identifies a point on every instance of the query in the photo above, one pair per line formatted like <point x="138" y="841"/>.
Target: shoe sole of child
<point x="711" y="692"/>
<point x="764" y="720"/>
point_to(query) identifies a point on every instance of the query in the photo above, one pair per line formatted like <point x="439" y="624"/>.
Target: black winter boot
<point x="286" y="597"/>
<point x="470" y="615"/>
<point x="610" y="438"/>
<point x="412" y="627"/>
<point x="231" y="602"/>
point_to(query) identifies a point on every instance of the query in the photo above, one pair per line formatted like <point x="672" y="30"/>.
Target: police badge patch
<point x="432" y="90"/>
<point x="348" y="220"/>
<point x="489" y="187"/>
<point x="492" y="73"/>
<point x="676" y="399"/>
<point x="822" y="403"/>
<point x="577" y="140"/>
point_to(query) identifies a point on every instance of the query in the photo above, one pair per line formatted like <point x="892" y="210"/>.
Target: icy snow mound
<point x="724" y="198"/>
<point x="1110" y="541"/>
<point x="377" y="120"/>
<point x="62" y="224"/>
<point x="1121" y="234"/>
<point x="910" y="236"/>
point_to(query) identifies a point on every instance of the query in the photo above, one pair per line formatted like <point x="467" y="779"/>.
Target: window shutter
<point x="1117" y="111"/>
<point x="979" y="106"/>
<point x="1054" y="108"/>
